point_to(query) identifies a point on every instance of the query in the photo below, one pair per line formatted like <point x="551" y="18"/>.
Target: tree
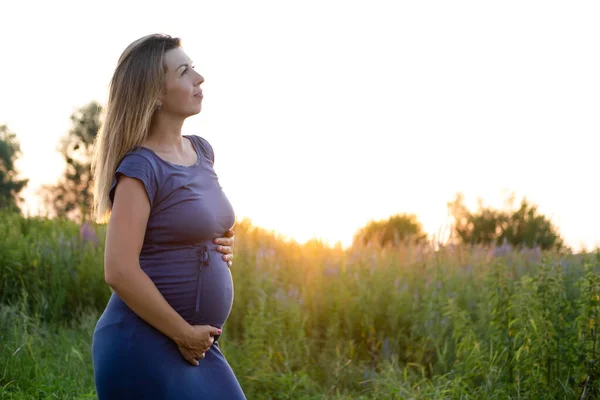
<point x="72" y="196"/>
<point x="399" y="228"/>
<point x="520" y="227"/>
<point x="10" y="185"/>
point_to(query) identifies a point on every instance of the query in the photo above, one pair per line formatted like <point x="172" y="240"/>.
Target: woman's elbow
<point x="115" y="271"/>
<point x="111" y="277"/>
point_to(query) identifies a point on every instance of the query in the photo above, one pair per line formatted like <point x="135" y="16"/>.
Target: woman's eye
<point x="186" y="70"/>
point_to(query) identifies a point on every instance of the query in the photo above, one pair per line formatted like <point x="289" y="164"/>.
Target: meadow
<point x="314" y="322"/>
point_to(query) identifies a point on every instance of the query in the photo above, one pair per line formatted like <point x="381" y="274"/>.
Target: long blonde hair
<point x="134" y="90"/>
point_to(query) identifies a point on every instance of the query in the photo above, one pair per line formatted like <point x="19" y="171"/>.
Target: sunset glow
<point x="325" y="115"/>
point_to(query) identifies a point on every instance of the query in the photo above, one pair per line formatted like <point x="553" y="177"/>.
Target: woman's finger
<point x="225" y="249"/>
<point x="224" y="241"/>
<point x="188" y="356"/>
<point x="191" y="360"/>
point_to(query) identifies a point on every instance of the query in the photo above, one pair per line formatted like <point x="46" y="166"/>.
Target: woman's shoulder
<point x="204" y="146"/>
<point x="139" y="159"/>
<point x="139" y="165"/>
<point x="138" y="155"/>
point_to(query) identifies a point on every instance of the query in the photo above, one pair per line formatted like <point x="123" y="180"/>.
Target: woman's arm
<point x="122" y="272"/>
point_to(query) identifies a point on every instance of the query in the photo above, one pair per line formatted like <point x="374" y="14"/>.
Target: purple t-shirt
<point x="188" y="211"/>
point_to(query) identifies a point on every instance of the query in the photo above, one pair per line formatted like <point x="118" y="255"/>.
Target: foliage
<point x="393" y="231"/>
<point x="312" y="322"/>
<point x="520" y="227"/>
<point x="72" y="196"/>
<point x="10" y="184"/>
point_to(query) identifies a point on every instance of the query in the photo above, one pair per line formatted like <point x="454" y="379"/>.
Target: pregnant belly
<point x="199" y="287"/>
<point x="215" y="297"/>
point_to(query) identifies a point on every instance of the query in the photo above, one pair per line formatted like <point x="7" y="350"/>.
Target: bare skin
<point x="181" y="98"/>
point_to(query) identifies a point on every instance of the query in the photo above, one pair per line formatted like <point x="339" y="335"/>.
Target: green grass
<point x="39" y="361"/>
<point x="311" y="322"/>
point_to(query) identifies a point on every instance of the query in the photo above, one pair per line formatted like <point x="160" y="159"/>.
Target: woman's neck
<point x="165" y="133"/>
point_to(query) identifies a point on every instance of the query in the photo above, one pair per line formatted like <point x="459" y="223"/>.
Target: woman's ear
<point x="159" y="99"/>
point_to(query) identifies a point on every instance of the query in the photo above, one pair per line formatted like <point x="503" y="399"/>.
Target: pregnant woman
<point x="172" y="287"/>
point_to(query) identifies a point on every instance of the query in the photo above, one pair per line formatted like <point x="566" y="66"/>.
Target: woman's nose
<point x="199" y="80"/>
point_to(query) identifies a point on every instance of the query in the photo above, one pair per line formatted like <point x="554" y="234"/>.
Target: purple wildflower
<point x="87" y="234"/>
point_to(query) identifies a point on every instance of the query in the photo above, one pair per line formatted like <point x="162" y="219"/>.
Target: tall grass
<point x="315" y="322"/>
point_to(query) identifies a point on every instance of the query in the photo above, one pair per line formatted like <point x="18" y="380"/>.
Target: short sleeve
<point x="138" y="167"/>
<point x="206" y="148"/>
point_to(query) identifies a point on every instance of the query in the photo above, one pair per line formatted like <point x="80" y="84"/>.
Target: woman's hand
<point x="196" y="342"/>
<point x="226" y="246"/>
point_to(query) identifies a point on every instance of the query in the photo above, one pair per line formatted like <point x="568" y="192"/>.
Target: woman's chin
<point x="196" y="110"/>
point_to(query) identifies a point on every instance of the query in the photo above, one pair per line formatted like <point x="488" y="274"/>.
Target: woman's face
<point x="182" y="94"/>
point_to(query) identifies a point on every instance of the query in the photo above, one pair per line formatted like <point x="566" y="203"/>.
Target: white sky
<point x="326" y="114"/>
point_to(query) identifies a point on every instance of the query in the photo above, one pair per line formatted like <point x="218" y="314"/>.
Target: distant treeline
<point x="72" y="198"/>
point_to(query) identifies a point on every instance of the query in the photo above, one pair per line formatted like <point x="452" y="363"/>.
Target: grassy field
<point x="311" y="322"/>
